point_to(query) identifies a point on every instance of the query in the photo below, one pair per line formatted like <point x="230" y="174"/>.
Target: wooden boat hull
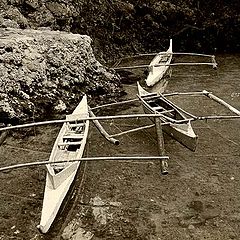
<point x="156" y="73"/>
<point x="182" y="132"/>
<point x="61" y="176"/>
<point x="53" y="199"/>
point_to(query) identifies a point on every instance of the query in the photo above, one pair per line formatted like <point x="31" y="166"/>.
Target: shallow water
<point x="111" y="198"/>
<point x="224" y="82"/>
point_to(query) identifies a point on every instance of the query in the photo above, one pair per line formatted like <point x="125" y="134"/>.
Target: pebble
<point x="191" y="227"/>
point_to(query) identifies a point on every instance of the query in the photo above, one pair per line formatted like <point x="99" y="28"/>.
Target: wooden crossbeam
<point x="162" y="64"/>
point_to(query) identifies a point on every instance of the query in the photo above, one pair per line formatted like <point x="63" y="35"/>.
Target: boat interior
<point x="70" y="145"/>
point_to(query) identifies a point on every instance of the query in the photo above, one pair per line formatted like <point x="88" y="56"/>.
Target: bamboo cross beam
<point x="166" y="53"/>
<point x="193" y="54"/>
<point x="162" y="64"/>
<point x="81" y="119"/>
<point x="183" y="93"/>
<point x="40" y="163"/>
<point x="116" y="103"/>
<point x="220" y="101"/>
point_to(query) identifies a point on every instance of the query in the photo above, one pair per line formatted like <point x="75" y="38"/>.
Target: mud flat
<point x="198" y="199"/>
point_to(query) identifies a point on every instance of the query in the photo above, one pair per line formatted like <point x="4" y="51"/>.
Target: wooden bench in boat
<point x="73" y="136"/>
<point x="166" y="111"/>
<point x="76" y="124"/>
<point x="157" y="108"/>
<point x="69" y="143"/>
<point x="58" y="166"/>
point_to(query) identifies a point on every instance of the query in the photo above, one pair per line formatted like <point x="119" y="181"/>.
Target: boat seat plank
<point x="69" y="143"/>
<point x="149" y="95"/>
<point x="73" y="136"/>
<point x="157" y="108"/>
<point x="58" y="165"/>
<point x="167" y="111"/>
<point x="76" y="124"/>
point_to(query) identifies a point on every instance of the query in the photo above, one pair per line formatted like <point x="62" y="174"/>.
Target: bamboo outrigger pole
<point x="200" y="93"/>
<point x="31" y="164"/>
<point x="220" y="101"/>
<point x="221" y="117"/>
<point x="77" y="119"/>
<point x="102" y="130"/>
<point x="83" y="119"/>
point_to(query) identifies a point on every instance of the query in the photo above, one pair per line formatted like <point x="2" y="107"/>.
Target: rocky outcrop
<point x="45" y="72"/>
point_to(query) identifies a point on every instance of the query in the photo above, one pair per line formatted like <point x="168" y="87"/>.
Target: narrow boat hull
<point x="53" y="199"/>
<point x="156" y="73"/>
<point x="69" y="145"/>
<point x="183" y="132"/>
<point x="187" y="140"/>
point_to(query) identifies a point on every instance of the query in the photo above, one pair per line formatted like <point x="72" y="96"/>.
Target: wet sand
<point x="198" y="199"/>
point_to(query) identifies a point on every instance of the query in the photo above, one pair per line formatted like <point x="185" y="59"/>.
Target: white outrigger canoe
<point x="174" y="122"/>
<point x="156" y="73"/>
<point x="69" y="145"/>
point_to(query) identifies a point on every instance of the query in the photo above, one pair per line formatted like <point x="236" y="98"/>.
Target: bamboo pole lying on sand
<point x="31" y="164"/>
<point x="102" y="130"/>
<point x="220" y="101"/>
<point x="161" y="149"/>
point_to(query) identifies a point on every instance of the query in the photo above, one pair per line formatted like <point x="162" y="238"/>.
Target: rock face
<point x="45" y="72"/>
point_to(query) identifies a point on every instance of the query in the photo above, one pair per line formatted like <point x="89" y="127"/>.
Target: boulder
<point x="43" y="73"/>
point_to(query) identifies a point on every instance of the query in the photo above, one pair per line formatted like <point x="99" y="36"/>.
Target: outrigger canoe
<point x="69" y="145"/>
<point x="156" y="73"/>
<point x="170" y="115"/>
